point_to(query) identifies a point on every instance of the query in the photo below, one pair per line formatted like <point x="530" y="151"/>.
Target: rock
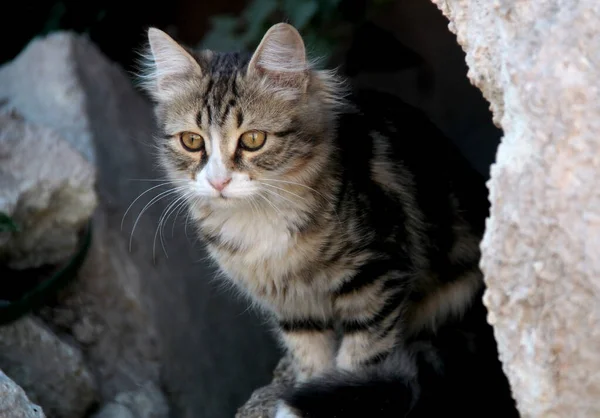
<point x="263" y="401"/>
<point x="169" y="314"/>
<point x="52" y="372"/>
<point x="47" y="187"/>
<point x="105" y="313"/>
<point x="114" y="410"/>
<point x="538" y="63"/>
<point x="146" y="402"/>
<point x="138" y="317"/>
<point x="43" y="85"/>
<point x="14" y="402"/>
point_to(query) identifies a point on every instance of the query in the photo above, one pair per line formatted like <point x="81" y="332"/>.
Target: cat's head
<point x="236" y="126"/>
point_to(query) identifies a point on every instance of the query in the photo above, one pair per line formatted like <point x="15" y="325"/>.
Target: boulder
<point x="538" y="64"/>
<point x="264" y="400"/>
<point x="142" y="319"/>
<point x="43" y="84"/>
<point x="145" y="402"/>
<point x="52" y="372"/>
<point x="14" y="402"/>
<point x="105" y="313"/>
<point x="47" y="187"/>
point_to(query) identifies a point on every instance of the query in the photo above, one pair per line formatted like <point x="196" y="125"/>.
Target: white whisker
<point x="161" y="222"/>
<point x="163" y="180"/>
<point x="327" y="199"/>
<point x="181" y="207"/>
<point x="137" y="198"/>
<point x="297" y="184"/>
<point x="281" y="197"/>
<point x="282" y="189"/>
<point x="150" y="203"/>
<point x="250" y="200"/>
<point x="270" y="203"/>
<point x="180" y="204"/>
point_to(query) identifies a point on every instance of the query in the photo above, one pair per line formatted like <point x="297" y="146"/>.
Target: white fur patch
<point x="215" y="169"/>
<point x="284" y="411"/>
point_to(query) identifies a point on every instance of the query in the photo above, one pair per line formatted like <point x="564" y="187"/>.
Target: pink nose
<point x="219" y="184"/>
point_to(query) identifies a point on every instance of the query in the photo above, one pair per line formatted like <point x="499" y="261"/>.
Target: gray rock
<point x="538" y="63"/>
<point x="14" y="402"/>
<point x="263" y="401"/>
<point x="105" y="312"/>
<point x="211" y="350"/>
<point x="114" y="410"/>
<point x="52" y="372"/>
<point x="47" y="187"/>
<point x="138" y="316"/>
<point x="42" y="84"/>
<point x="146" y="402"/>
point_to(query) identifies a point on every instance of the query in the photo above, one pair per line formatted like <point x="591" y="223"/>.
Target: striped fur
<point x="357" y="230"/>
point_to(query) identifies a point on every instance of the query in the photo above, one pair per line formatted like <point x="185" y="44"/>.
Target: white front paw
<point x="284" y="411"/>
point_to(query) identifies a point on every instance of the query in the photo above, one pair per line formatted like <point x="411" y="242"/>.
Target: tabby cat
<point x="345" y="215"/>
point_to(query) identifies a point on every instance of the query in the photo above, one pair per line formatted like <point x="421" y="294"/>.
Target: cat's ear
<point x="167" y="63"/>
<point x="281" y="57"/>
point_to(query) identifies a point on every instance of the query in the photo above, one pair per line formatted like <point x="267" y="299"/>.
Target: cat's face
<point x="239" y="128"/>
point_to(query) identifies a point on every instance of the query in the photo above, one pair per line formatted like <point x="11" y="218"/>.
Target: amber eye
<point x="191" y="141"/>
<point x="253" y="140"/>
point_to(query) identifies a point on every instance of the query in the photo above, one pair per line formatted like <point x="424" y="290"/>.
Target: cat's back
<point x="382" y="140"/>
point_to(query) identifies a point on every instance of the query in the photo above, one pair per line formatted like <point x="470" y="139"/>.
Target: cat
<point x="346" y="215"/>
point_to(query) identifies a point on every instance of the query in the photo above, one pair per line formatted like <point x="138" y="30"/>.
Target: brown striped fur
<point x="331" y="227"/>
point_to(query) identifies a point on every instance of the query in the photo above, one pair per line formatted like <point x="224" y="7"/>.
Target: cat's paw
<point x="284" y="411"/>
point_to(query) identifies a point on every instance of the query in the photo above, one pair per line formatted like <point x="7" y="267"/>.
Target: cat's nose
<point x="219" y="184"/>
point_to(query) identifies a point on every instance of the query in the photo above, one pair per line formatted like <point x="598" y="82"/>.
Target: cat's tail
<point x="343" y="396"/>
<point x="468" y="386"/>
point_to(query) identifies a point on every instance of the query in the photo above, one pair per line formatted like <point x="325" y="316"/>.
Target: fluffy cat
<point x="347" y="216"/>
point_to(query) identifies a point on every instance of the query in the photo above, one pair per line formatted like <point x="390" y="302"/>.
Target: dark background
<point x="401" y="47"/>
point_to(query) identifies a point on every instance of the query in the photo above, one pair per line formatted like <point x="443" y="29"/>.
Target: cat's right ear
<point x="166" y="64"/>
<point x="281" y="58"/>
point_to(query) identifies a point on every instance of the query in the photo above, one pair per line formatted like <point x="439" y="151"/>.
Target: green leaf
<point x="53" y="23"/>
<point x="7" y="224"/>
<point x="259" y="10"/>
<point x="222" y="36"/>
<point x="318" y="47"/>
<point x="300" y="12"/>
<point x="256" y="16"/>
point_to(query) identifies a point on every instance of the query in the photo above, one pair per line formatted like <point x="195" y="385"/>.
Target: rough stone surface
<point x="105" y="313"/>
<point x="14" y="402"/>
<point x="263" y="401"/>
<point x="142" y="319"/>
<point x="146" y="402"/>
<point x="52" y="372"/>
<point x="114" y="410"/>
<point x="47" y="187"/>
<point x="212" y="351"/>
<point x="42" y="84"/>
<point x="538" y="63"/>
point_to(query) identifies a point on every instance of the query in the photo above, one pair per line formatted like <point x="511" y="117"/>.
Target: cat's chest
<point x="268" y="262"/>
<point x="251" y="248"/>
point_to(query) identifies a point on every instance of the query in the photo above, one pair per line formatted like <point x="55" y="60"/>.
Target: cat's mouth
<point x="223" y="199"/>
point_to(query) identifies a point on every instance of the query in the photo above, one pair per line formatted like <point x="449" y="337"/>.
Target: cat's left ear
<point x="168" y="63"/>
<point x="281" y="58"/>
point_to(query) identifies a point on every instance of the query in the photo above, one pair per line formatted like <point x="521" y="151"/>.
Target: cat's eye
<point x="253" y="140"/>
<point x="191" y="141"/>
